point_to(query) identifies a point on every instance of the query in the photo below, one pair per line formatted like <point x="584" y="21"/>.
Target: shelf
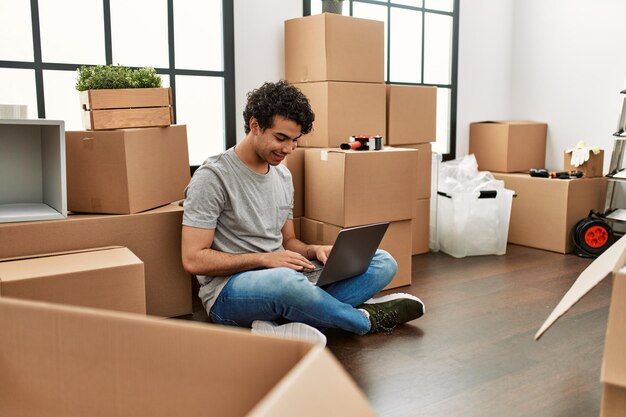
<point x="618" y="215"/>
<point x="32" y="153"/>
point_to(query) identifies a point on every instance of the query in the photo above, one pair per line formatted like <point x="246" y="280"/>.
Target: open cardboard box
<point x="613" y="376"/>
<point x="68" y="361"/>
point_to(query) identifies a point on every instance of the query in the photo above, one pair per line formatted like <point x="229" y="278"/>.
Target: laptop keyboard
<point x="313" y="275"/>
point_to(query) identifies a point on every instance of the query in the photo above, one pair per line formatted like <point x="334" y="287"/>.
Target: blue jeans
<point x="283" y="294"/>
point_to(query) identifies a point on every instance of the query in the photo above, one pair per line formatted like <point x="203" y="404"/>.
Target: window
<point x="189" y="43"/>
<point x="421" y="48"/>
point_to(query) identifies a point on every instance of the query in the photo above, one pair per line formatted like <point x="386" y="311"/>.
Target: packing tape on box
<point x="88" y="143"/>
<point x="319" y="232"/>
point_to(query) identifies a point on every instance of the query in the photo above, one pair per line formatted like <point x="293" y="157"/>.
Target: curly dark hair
<point x="278" y="99"/>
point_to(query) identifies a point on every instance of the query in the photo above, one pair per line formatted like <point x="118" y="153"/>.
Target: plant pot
<point x="126" y="108"/>
<point x="330" y="6"/>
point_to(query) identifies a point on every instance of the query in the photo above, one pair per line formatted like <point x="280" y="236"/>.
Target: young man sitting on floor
<point x="238" y="238"/>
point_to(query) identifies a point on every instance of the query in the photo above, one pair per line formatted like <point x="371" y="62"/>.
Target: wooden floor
<point x="473" y="352"/>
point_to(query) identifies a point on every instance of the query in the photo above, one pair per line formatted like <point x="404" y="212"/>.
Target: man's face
<point x="274" y="143"/>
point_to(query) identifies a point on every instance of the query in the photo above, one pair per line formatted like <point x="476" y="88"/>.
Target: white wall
<point x="557" y="61"/>
<point x="259" y="45"/>
<point x="569" y="66"/>
<point x="485" y="59"/>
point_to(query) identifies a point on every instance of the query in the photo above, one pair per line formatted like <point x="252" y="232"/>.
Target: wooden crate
<point x="127" y="107"/>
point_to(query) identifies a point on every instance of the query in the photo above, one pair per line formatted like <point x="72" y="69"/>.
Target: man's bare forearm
<point x="296" y="245"/>
<point x="214" y="263"/>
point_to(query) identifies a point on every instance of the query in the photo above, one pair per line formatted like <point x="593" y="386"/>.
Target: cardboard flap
<point x="614" y="362"/>
<point x="69" y="252"/>
<point x="611" y="260"/>
<point x="317" y="386"/>
<point x="68" y="361"/>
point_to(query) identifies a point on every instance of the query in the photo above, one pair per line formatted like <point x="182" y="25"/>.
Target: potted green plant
<point x="332" y="6"/>
<point x="115" y="97"/>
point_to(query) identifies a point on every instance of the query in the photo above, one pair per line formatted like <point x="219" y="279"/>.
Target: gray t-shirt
<point x="246" y="209"/>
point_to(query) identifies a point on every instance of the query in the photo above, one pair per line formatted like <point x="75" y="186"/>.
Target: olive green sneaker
<point x="387" y="312"/>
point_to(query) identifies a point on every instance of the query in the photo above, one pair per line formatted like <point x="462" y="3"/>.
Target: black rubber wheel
<point x="593" y="236"/>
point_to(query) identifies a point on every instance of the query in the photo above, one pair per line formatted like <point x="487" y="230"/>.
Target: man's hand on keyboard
<point x="321" y="252"/>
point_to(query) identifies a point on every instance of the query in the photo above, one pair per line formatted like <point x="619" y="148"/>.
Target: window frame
<point x="227" y="73"/>
<point x="453" y="86"/>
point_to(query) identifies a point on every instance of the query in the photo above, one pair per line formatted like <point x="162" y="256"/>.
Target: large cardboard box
<point x="424" y="168"/>
<point x="295" y="163"/>
<point x="420" y="226"/>
<point x="545" y="209"/>
<point x="342" y="110"/>
<point x="612" y="263"/>
<point x="111" y="278"/>
<point x="397" y="241"/>
<point x="32" y="170"/>
<point x="508" y="146"/>
<point x="353" y="188"/>
<point x="154" y="236"/>
<point x="331" y="47"/>
<point x="591" y="168"/>
<point x="411" y="114"/>
<point x="127" y="170"/>
<point x="62" y="361"/>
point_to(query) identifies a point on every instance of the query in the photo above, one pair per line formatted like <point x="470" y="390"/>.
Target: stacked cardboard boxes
<point x="545" y="210"/>
<point x="338" y="63"/>
<point x="411" y="123"/>
<point x="120" y="188"/>
<point x="136" y="173"/>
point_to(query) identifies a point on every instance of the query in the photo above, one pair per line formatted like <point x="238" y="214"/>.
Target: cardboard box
<point x="591" y="168"/>
<point x="154" y="236"/>
<point x="353" y="188"/>
<point x="420" y="226"/>
<point x="32" y="170"/>
<point x="343" y="110"/>
<point x="295" y="163"/>
<point x="331" y="47"/>
<point x="126" y="171"/>
<point x="545" y="210"/>
<point x="613" y="376"/>
<point x="424" y="168"/>
<point x="111" y="278"/>
<point x="296" y="226"/>
<point x="411" y="114"/>
<point x="397" y="241"/>
<point x="508" y="146"/>
<point x="74" y="362"/>
<point x="123" y="108"/>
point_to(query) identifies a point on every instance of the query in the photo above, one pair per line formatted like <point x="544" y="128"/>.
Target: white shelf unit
<point x="32" y="170"/>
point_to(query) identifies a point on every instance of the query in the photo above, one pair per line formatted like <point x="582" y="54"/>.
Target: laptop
<point x="350" y="256"/>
